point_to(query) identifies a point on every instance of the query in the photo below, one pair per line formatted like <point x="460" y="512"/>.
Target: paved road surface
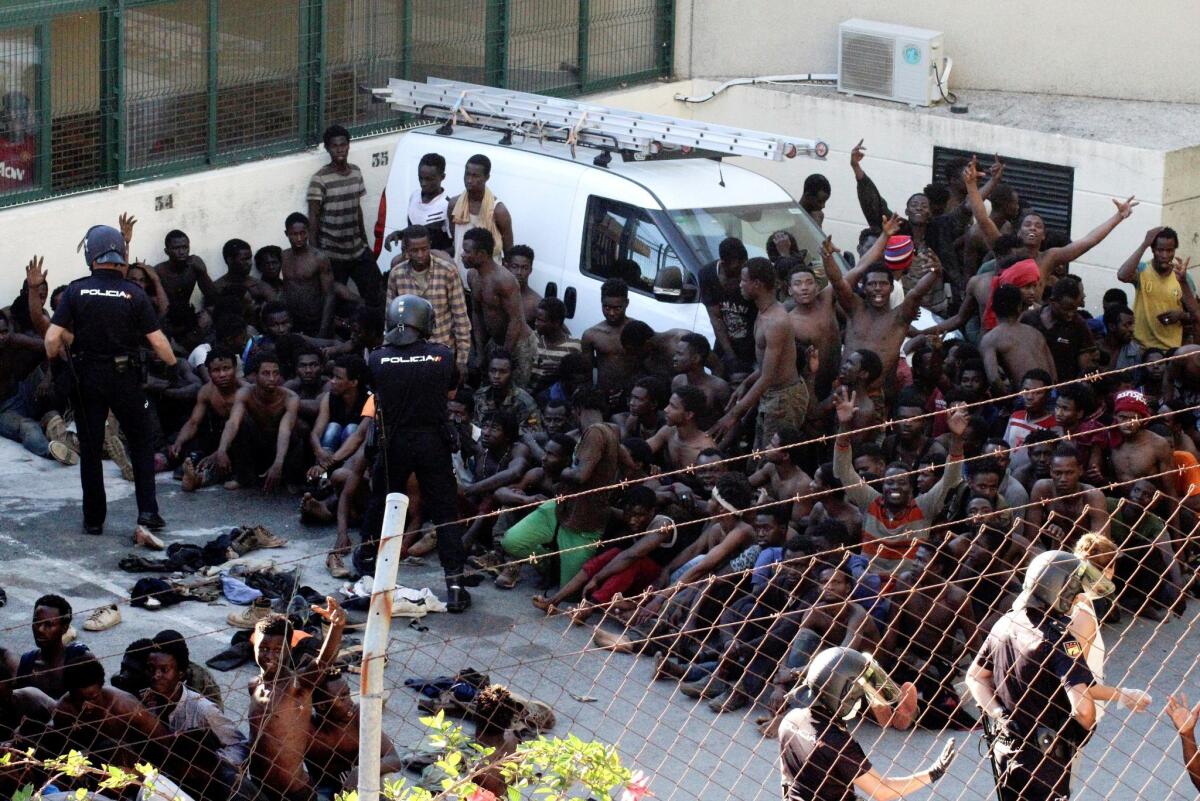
<point x="688" y="751"/>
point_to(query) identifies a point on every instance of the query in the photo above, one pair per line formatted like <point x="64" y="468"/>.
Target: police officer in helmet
<point x="101" y="324"/>
<point x="819" y="759"/>
<point x="1032" y="683"/>
<point x="413" y="380"/>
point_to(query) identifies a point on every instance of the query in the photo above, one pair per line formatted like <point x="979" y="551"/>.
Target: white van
<point x="632" y="219"/>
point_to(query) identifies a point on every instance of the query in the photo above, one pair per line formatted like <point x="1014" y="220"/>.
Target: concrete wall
<point x="250" y="201"/>
<point x="1076" y="47"/>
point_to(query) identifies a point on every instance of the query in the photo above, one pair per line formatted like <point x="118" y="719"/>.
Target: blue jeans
<point x="336" y="434"/>
<point x="15" y="424"/>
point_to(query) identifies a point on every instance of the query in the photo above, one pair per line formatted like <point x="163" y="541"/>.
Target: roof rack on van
<point x="634" y="135"/>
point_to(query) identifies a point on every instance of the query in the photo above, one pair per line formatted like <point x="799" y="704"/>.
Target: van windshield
<point x="705" y="228"/>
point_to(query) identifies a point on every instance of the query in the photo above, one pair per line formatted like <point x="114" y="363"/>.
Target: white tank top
<point x="434" y="215"/>
<point x="1095" y="657"/>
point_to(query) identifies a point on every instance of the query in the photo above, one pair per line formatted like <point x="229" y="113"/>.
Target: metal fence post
<point x="213" y="82"/>
<point x="375" y="643"/>
<point x="495" y="43"/>
<point x="583" y="43"/>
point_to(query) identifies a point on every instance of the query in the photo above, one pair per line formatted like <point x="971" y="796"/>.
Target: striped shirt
<point x="889" y="539"/>
<point x="340" y="234"/>
<point x="441" y="286"/>
<point x="549" y="357"/>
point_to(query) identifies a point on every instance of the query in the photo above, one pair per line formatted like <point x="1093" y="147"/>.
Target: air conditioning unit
<point x="892" y="62"/>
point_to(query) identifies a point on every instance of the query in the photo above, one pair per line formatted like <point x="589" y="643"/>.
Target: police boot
<point x="458" y="600"/>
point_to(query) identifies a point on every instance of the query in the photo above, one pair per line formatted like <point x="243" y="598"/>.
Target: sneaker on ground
<point x="103" y="619"/>
<point x="509" y="577"/>
<point x="144" y="537"/>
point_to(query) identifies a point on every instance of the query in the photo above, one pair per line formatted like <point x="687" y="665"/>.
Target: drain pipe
<point x="806" y="77"/>
<point x="375" y="643"/>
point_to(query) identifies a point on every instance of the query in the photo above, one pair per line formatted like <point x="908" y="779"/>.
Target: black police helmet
<point x="409" y="318"/>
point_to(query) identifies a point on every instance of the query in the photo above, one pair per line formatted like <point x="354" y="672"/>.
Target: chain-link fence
<point x="98" y="92"/>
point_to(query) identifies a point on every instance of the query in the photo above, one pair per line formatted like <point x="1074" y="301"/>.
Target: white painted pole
<point x="375" y="644"/>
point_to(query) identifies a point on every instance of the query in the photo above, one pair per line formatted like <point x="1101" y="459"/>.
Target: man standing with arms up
<point x="336" y="225"/>
<point x="413" y="379"/>
<point x="99" y="325"/>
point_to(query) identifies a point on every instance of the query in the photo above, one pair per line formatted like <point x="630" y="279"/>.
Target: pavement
<point x="686" y="750"/>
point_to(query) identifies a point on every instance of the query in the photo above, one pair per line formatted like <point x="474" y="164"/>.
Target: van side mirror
<point x="551" y="290"/>
<point x="670" y="286"/>
<point x="569" y="300"/>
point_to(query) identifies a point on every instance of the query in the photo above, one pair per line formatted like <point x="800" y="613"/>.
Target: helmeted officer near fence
<point x="818" y="758"/>
<point x="412" y="379"/>
<point x="100" y="325"/>
<point x="1032" y="683"/>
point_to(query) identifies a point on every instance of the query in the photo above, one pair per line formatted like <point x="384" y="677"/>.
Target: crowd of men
<point x="821" y="473"/>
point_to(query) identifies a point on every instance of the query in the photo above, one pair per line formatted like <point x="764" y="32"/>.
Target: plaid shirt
<point x="444" y="290"/>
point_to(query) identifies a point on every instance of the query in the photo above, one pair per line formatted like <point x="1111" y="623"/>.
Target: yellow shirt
<point x="1156" y="294"/>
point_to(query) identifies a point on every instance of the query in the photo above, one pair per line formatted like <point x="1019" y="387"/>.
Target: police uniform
<point x="110" y="318"/>
<point x="1032" y="661"/>
<point x="412" y="383"/>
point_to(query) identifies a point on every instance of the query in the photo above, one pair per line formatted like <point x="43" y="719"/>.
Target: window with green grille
<point x="97" y="92"/>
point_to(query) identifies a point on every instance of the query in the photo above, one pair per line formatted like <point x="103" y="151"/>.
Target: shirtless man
<point x="214" y="402"/>
<point x="1012" y="348"/>
<point x="263" y="414"/>
<point x="920" y="644"/>
<point x="498" y="317"/>
<point x="691" y="354"/>
<point x="308" y="290"/>
<point x="1006" y="205"/>
<point x="872" y="323"/>
<point x="775" y="387"/>
<point x="520" y="263"/>
<point x="309" y="383"/>
<point x="1140" y="453"/>
<point x="645" y="416"/>
<point x="683" y="438"/>
<point x="181" y="273"/>
<point x="602" y="342"/>
<point x="110" y="725"/>
<point x="331" y="757"/>
<point x="648" y="352"/>
<point x="780" y="474"/>
<point x="268" y="260"/>
<point x="238" y="260"/>
<point x="281" y="702"/>
<point x="1062" y="507"/>
<point x="814" y="321"/>
<point x="859" y="373"/>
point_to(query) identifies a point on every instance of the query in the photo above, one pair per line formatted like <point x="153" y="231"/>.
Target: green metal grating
<point x="99" y="92"/>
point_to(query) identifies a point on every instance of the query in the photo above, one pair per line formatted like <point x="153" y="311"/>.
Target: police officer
<point x="819" y="759"/>
<point x="100" y="325"/>
<point x="1032" y="683"/>
<point x="412" y="379"/>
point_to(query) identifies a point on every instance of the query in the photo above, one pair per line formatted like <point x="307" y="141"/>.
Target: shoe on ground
<point x="707" y="687"/>
<point x="61" y="453"/>
<point x="337" y="566"/>
<point x="729" y="702"/>
<point x="93" y="531"/>
<point x="458" y="600"/>
<point x="54" y="425"/>
<point x="488" y="561"/>
<point x="509" y="577"/>
<point x="249" y="617"/>
<point x="252" y="539"/>
<point x="142" y="536"/>
<point x="103" y="619"/>
<point x="152" y="521"/>
<point x="70" y="635"/>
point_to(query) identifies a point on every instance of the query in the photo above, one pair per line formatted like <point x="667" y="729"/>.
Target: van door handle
<point x="569" y="299"/>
